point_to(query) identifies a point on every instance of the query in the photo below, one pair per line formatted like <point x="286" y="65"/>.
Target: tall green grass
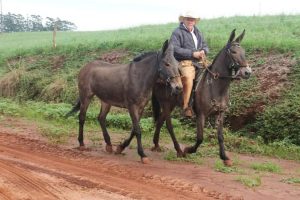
<point x="267" y="32"/>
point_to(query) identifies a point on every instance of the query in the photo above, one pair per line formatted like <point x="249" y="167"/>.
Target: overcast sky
<point x="93" y="15"/>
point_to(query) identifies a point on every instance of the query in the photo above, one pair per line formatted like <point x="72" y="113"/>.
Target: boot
<point x="188" y="112"/>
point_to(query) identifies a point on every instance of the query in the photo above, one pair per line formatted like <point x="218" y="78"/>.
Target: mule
<point x="211" y="96"/>
<point x="126" y="86"/>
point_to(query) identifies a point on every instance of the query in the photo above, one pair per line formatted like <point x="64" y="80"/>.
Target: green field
<point x="34" y="75"/>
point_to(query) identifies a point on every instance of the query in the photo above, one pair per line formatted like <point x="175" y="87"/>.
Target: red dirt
<point x="115" y="56"/>
<point x="31" y="168"/>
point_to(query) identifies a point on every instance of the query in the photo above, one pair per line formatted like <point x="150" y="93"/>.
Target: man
<point x="189" y="46"/>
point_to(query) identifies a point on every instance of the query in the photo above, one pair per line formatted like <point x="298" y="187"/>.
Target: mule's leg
<point x="126" y="142"/>
<point x="172" y="134"/>
<point x="200" y="120"/>
<point x="135" y="114"/>
<point x="102" y="120"/>
<point x="167" y="116"/>
<point x="219" y="123"/>
<point x="84" y="104"/>
<point x="160" y="121"/>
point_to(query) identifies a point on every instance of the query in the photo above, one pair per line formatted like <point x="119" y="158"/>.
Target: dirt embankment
<point x="272" y="72"/>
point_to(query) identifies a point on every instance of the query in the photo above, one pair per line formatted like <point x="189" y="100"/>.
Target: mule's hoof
<point x="109" y="148"/>
<point x="180" y="154"/>
<point x="156" y="149"/>
<point x="228" y="163"/>
<point x="186" y="150"/>
<point x="145" y="160"/>
<point x="119" y="150"/>
<point x="81" y="148"/>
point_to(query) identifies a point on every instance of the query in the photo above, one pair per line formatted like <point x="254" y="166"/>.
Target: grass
<point x="249" y="181"/>
<point x="192" y="158"/>
<point x="291" y="180"/>
<point x="266" y="167"/>
<point x="262" y="32"/>
<point x="220" y="167"/>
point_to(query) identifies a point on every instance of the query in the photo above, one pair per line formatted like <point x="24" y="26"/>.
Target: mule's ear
<point x="165" y="46"/>
<point x="240" y="38"/>
<point x="232" y="35"/>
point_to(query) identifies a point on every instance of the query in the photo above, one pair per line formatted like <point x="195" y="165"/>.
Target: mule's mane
<point x="213" y="62"/>
<point x="142" y="56"/>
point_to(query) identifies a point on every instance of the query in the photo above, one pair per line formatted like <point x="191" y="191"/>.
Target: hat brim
<point x="181" y="18"/>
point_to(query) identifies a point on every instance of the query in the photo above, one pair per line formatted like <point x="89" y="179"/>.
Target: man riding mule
<point x="211" y="96"/>
<point x="189" y="48"/>
<point x="127" y="86"/>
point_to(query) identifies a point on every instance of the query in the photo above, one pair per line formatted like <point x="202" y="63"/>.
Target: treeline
<point x="18" y="23"/>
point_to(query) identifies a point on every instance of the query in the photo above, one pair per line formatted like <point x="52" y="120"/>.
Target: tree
<point x="18" y="23"/>
<point x="35" y="23"/>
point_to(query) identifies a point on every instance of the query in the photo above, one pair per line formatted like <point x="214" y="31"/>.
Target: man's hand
<point x="199" y="55"/>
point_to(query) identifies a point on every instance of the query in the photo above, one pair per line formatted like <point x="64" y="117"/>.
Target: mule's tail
<point x="75" y="108"/>
<point x="155" y="108"/>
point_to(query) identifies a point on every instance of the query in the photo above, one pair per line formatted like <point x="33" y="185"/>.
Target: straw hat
<point x="189" y="14"/>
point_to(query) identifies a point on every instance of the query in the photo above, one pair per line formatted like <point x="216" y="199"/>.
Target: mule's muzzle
<point x="245" y="72"/>
<point x="176" y="85"/>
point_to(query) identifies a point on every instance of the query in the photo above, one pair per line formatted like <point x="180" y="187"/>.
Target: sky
<point x="94" y="15"/>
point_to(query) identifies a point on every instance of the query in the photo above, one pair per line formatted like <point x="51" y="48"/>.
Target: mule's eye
<point x="167" y="64"/>
<point x="233" y="52"/>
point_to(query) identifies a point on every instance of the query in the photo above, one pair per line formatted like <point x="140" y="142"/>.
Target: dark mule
<point x="211" y="96"/>
<point x="127" y="86"/>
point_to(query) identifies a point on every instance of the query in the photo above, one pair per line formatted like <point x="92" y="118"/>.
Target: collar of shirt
<point x="193" y="35"/>
<point x="188" y="29"/>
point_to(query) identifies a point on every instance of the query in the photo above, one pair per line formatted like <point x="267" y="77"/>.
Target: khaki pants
<point x="188" y="73"/>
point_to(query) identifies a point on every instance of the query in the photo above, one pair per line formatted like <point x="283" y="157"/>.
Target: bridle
<point x="162" y="73"/>
<point x="233" y="66"/>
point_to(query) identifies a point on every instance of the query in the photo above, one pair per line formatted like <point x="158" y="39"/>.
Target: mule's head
<point x="237" y="55"/>
<point x="169" y="68"/>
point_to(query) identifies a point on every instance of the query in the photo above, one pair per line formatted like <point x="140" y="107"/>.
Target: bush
<point x="281" y="122"/>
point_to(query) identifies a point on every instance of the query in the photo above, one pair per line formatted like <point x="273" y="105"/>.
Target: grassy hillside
<point x="268" y="32"/>
<point x="31" y="70"/>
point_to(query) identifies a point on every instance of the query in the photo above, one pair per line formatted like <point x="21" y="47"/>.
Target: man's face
<point x="189" y="23"/>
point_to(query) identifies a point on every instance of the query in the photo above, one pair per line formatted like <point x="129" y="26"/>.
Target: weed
<point x="193" y="158"/>
<point x="220" y="167"/>
<point x="250" y="181"/>
<point x="266" y="167"/>
<point x="291" y="180"/>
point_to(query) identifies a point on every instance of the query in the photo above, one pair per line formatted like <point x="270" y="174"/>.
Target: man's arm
<point x="179" y="52"/>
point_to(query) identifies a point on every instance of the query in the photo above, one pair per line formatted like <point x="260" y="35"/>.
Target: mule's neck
<point x="221" y="66"/>
<point x="151" y="69"/>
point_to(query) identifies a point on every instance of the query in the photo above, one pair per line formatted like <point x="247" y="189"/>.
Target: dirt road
<point x="31" y="168"/>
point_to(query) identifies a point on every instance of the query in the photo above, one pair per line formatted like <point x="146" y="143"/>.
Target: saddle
<point x="200" y="68"/>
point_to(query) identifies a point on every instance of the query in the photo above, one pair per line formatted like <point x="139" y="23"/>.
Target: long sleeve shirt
<point x="184" y="45"/>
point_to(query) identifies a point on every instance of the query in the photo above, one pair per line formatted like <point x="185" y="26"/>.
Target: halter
<point x="162" y="72"/>
<point x="233" y="65"/>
